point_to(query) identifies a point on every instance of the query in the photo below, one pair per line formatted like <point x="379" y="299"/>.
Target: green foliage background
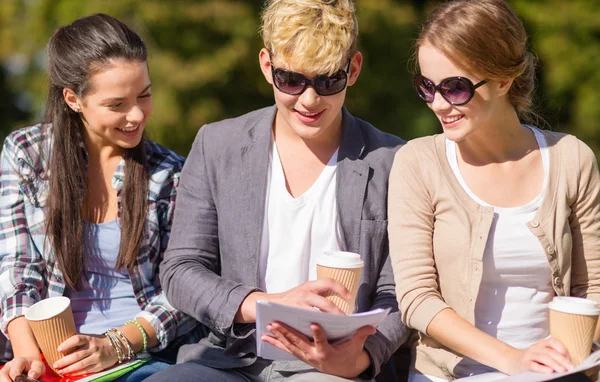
<point x="204" y="62"/>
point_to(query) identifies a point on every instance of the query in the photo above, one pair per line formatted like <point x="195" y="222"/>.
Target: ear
<point x="264" y="59"/>
<point x="504" y="86"/>
<point x="72" y="100"/>
<point x="355" y="66"/>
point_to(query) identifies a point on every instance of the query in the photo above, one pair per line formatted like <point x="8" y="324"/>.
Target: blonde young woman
<point x="493" y="218"/>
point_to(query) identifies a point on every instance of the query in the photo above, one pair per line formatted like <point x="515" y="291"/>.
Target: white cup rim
<point x="47" y="308"/>
<point x="340" y="259"/>
<point x="574" y="305"/>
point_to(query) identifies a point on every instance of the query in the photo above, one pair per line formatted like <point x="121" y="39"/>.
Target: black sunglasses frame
<point x="311" y="82"/>
<point x="439" y="88"/>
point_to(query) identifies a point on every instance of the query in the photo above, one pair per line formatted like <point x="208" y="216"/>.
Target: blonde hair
<point x="315" y="36"/>
<point x="486" y="37"/>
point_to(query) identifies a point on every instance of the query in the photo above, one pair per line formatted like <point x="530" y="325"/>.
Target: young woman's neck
<point x="501" y="139"/>
<point x="100" y="153"/>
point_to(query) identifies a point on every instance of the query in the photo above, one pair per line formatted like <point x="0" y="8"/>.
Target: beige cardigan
<point x="438" y="234"/>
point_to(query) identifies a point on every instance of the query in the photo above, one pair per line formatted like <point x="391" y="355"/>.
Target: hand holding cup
<point x="345" y="268"/>
<point x="573" y="321"/>
<point x="52" y="323"/>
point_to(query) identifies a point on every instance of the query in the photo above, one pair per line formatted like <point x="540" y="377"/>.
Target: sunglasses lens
<point x="457" y="91"/>
<point x="425" y="88"/>
<point x="289" y="82"/>
<point x="329" y="85"/>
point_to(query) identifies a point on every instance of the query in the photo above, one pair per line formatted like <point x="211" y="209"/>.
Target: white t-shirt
<point x="297" y="230"/>
<point x="516" y="287"/>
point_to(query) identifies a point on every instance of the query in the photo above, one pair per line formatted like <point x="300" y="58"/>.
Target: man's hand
<point x="347" y="359"/>
<point x="309" y="295"/>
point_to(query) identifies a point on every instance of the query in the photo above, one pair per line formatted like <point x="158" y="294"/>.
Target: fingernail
<point x="55" y="366"/>
<point x="59" y="349"/>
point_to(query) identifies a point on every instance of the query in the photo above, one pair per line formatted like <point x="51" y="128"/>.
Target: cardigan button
<point x="534" y="223"/>
<point x="551" y="250"/>
<point x="558" y="282"/>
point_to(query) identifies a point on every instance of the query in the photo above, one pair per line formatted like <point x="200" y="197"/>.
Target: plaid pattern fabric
<point x="29" y="273"/>
<point x="5" y="350"/>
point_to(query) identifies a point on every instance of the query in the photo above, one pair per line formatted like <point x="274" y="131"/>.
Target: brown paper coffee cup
<point x="51" y="321"/>
<point x="346" y="268"/>
<point x="573" y="321"/>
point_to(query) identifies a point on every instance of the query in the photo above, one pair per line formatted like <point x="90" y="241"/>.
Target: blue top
<point x="107" y="300"/>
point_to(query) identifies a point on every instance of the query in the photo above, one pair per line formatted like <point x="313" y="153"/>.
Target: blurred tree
<point x="12" y="115"/>
<point x="204" y="65"/>
<point x="566" y="37"/>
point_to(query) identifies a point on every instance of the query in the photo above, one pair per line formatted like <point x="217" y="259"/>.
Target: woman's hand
<point x="91" y="353"/>
<point x="545" y="356"/>
<point x="33" y="366"/>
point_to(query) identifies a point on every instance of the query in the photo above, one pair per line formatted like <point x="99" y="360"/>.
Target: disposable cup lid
<point x="575" y="305"/>
<point x="340" y="259"/>
<point x="47" y="308"/>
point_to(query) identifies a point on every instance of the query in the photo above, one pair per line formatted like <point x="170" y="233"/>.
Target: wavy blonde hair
<point x="486" y="37"/>
<point x="312" y="36"/>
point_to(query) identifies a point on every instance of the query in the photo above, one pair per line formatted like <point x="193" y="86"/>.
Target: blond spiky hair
<point x="311" y="36"/>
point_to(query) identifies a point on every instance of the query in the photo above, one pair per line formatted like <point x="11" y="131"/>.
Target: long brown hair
<point x="486" y="37"/>
<point x="75" y="53"/>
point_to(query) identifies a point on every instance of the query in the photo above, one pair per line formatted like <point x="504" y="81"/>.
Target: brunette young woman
<point x="86" y="205"/>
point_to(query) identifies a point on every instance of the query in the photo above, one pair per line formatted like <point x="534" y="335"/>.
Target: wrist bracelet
<point x="143" y="333"/>
<point x="130" y="354"/>
<point x="116" y="344"/>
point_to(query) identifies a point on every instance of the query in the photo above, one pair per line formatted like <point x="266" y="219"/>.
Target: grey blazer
<point x="211" y="263"/>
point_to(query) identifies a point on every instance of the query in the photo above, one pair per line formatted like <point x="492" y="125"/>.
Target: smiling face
<point x="116" y="108"/>
<point x="309" y="115"/>
<point x="458" y="122"/>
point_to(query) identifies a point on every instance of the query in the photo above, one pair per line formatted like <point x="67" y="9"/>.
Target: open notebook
<point x="112" y="373"/>
<point x="106" y="375"/>
<point x="337" y="327"/>
<point x="530" y="376"/>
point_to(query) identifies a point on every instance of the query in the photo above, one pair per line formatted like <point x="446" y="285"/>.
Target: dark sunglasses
<point x="456" y="90"/>
<point x="295" y="83"/>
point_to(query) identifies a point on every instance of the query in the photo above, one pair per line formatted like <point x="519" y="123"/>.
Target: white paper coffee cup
<point x="346" y="268"/>
<point x="51" y="321"/>
<point x="573" y="321"/>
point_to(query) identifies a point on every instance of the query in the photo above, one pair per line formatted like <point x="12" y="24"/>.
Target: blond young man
<point x="262" y="195"/>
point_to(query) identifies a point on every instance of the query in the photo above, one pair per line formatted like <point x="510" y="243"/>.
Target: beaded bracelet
<point x="124" y="340"/>
<point x="116" y="344"/>
<point x="142" y="331"/>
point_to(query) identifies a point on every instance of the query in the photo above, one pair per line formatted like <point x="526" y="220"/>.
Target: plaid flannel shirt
<point x="29" y="272"/>
<point x="5" y="350"/>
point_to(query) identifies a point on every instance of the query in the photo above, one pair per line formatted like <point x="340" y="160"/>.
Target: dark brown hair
<point x="75" y="53"/>
<point x="486" y="37"/>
